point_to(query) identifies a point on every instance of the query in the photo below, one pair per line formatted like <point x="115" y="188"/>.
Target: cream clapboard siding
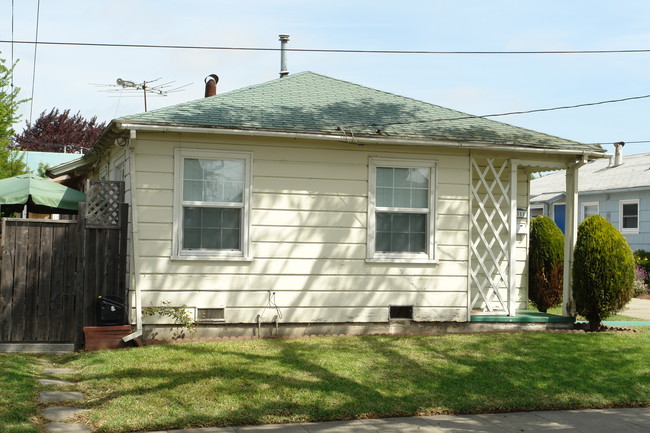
<point x="308" y="236"/>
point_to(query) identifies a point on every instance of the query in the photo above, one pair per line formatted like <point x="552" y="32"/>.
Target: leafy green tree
<point x="11" y="162"/>
<point x="603" y="271"/>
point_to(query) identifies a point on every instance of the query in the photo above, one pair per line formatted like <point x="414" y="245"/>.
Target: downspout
<point x="135" y="244"/>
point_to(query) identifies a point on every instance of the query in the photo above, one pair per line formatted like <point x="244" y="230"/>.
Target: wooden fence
<point x="52" y="272"/>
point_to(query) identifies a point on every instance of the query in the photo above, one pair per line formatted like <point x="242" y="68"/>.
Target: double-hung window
<point x="629" y="216"/>
<point x="401" y="211"/>
<point x="212" y="205"/>
<point x="589" y="209"/>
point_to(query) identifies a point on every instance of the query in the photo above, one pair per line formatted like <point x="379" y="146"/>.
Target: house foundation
<point x="396" y="327"/>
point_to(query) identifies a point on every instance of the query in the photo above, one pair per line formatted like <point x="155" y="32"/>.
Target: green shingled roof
<point x="315" y="104"/>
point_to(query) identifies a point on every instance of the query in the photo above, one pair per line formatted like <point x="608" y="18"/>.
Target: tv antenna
<point x="145" y="86"/>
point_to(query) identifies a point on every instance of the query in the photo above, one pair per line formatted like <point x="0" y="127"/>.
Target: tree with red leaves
<point x="59" y="132"/>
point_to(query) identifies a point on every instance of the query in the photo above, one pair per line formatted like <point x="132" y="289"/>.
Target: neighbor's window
<point x="212" y="205"/>
<point x="629" y="216"/>
<point x="401" y="210"/>
<point x="536" y="211"/>
<point x="589" y="209"/>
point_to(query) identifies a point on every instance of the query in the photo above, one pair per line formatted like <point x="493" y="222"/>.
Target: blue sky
<point x="477" y="84"/>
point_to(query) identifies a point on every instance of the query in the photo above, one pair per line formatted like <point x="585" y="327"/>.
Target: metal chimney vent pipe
<point x="618" y="154"/>
<point x="211" y="85"/>
<point x="283" y="55"/>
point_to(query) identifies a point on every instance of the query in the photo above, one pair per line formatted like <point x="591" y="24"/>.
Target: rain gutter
<point x="356" y="140"/>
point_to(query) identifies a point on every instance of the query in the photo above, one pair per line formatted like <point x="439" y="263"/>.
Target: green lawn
<point x="18" y="393"/>
<point x="335" y="378"/>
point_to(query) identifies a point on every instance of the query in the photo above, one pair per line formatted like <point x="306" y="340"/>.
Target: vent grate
<point x="211" y="315"/>
<point x="400" y="312"/>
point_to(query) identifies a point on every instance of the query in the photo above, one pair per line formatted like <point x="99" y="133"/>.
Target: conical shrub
<point x="603" y="270"/>
<point x="545" y="264"/>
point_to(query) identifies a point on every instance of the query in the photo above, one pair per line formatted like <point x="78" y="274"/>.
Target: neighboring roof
<point x="311" y="103"/>
<point x="596" y="176"/>
<point x="32" y="159"/>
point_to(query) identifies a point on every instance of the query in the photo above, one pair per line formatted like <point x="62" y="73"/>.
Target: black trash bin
<point x="110" y="311"/>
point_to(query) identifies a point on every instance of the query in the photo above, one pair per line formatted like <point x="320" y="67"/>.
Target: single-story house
<point x="617" y="188"/>
<point x="308" y="204"/>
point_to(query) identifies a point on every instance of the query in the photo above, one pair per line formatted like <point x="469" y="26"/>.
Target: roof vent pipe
<point x="211" y="85"/>
<point x="283" y="55"/>
<point x="618" y="154"/>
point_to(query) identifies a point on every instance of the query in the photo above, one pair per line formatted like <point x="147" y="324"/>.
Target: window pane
<point x="536" y="211"/>
<point x="630" y="215"/>
<point x="385" y="197"/>
<point x="401" y="232"/>
<point x="384" y="177"/>
<point x="401" y="176"/>
<point x="402" y="187"/>
<point x="213" y="180"/>
<point x="402" y="197"/>
<point x="590" y="210"/>
<point x="211" y="228"/>
<point x="420" y="198"/>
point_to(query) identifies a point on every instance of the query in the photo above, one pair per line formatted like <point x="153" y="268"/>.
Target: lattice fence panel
<point x="103" y="199"/>
<point x="490" y="236"/>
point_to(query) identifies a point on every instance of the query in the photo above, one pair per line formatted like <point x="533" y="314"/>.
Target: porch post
<point x="570" y="237"/>
<point x="512" y="259"/>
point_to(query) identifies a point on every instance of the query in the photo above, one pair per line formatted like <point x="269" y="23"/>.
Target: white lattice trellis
<point x="490" y="236"/>
<point x="103" y="199"/>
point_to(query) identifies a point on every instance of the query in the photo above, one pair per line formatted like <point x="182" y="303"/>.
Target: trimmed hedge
<point x="546" y="263"/>
<point x="603" y="270"/>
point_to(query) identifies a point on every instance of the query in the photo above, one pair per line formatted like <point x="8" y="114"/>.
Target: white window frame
<point x="621" y="203"/>
<point x="585" y="205"/>
<point x="395" y="257"/>
<point x="177" y="237"/>
<point x="536" y="207"/>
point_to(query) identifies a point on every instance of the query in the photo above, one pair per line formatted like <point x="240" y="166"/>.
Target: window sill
<point x="209" y="258"/>
<point x="404" y="260"/>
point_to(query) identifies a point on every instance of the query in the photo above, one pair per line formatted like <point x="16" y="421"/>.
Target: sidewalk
<point x="639" y="308"/>
<point x="635" y="420"/>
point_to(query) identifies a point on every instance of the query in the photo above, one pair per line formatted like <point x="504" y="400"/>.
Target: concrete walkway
<point x="57" y="415"/>
<point x="639" y="308"/>
<point x="571" y="421"/>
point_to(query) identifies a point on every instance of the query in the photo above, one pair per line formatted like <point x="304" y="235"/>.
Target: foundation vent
<point x="207" y="315"/>
<point x="400" y="312"/>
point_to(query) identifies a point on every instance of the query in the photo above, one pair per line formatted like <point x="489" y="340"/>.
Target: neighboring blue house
<point x="617" y="188"/>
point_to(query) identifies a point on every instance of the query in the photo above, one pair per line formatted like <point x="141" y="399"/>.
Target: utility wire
<point x="12" y="48"/>
<point x="31" y="105"/>
<point x="316" y="50"/>
<point x="511" y="113"/>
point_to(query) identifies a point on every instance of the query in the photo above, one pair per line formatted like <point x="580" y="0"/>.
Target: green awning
<point x="39" y="194"/>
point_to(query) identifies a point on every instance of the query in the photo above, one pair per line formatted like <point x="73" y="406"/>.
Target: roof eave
<point x="379" y="140"/>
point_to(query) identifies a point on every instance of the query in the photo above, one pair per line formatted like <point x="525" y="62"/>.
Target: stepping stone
<point x="57" y="382"/>
<point x="49" y="396"/>
<point x="58" y="371"/>
<point x="60" y="427"/>
<point x="59" y="413"/>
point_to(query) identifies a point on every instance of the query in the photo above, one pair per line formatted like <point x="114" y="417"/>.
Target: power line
<point x="31" y="105"/>
<point x="317" y="50"/>
<point x="625" y="141"/>
<point x="538" y="110"/>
